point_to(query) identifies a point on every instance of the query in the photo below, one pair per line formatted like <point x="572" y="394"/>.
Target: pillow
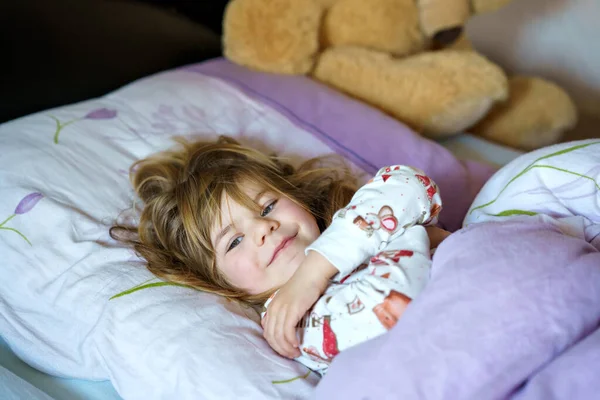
<point x="80" y="305"/>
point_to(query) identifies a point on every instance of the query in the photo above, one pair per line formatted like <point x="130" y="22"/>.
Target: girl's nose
<point x="264" y="228"/>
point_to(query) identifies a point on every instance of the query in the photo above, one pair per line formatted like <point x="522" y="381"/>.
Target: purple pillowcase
<point x="361" y="133"/>
<point x="504" y="301"/>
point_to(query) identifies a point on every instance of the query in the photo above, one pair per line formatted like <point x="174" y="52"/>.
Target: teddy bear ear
<point x="280" y="36"/>
<point x="447" y="37"/>
<point x="442" y="20"/>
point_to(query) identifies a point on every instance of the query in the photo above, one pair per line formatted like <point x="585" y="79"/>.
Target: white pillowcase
<point x="60" y="268"/>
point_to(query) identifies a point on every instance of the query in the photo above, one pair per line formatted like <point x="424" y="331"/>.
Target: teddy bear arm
<point x="436" y="93"/>
<point x="536" y="114"/>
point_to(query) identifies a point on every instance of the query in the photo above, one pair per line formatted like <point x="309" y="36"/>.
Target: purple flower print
<point x="97" y="114"/>
<point x="25" y="205"/>
<point x="28" y="203"/>
<point x="101" y="113"/>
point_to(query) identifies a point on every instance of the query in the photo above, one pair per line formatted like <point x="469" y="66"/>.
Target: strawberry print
<point x="392" y="255"/>
<point x="424" y="179"/>
<point x="431" y="191"/>
<point x="402" y="253"/>
<point x="330" y="347"/>
<point x="430" y="187"/>
<point x="314" y="355"/>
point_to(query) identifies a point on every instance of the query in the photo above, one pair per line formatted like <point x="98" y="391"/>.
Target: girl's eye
<point x="268" y="209"/>
<point x="235" y="243"/>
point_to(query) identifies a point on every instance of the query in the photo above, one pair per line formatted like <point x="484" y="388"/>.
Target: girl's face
<point x="261" y="251"/>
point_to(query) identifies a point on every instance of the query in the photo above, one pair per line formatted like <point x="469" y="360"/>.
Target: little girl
<point x="230" y="220"/>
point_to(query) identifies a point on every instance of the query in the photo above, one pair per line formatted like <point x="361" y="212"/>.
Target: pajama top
<point x="380" y="246"/>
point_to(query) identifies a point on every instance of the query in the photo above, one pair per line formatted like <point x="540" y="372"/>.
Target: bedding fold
<point x="508" y="302"/>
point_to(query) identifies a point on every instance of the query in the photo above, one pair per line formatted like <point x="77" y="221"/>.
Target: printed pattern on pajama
<point x="379" y="244"/>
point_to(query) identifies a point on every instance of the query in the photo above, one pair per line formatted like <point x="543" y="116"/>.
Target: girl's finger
<point x="275" y="339"/>
<point x="287" y="348"/>
<point x="290" y="336"/>
<point x="278" y="349"/>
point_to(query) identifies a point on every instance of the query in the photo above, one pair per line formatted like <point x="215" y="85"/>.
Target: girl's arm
<point x="395" y="200"/>
<point x="382" y="211"/>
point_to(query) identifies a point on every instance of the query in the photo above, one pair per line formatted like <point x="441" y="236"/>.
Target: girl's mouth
<point x="285" y="243"/>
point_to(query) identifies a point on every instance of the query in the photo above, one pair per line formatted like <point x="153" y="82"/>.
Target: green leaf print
<point x="509" y="213"/>
<point x="7" y="219"/>
<point x="60" y="126"/>
<point x="25" y="205"/>
<point x="98" y="114"/>
<point x="569" y="172"/>
<point x="291" y="379"/>
<point x="17" y="232"/>
<point x="533" y="165"/>
<point x="147" y="286"/>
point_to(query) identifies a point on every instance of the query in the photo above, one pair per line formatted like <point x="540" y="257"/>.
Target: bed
<point x="83" y="310"/>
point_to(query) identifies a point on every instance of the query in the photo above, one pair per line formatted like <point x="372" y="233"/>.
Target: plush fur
<point x="407" y="57"/>
<point x="536" y="106"/>
<point x="434" y="92"/>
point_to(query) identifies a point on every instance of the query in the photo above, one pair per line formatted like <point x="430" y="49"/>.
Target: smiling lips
<point x="284" y="244"/>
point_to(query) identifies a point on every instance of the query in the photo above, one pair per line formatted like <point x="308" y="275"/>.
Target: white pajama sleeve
<point x="396" y="199"/>
<point x="367" y="303"/>
<point x="380" y="247"/>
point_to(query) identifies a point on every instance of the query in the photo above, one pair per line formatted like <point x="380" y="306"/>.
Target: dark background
<point x="57" y="52"/>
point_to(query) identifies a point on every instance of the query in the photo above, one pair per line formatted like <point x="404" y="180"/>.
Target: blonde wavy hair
<point x="181" y="192"/>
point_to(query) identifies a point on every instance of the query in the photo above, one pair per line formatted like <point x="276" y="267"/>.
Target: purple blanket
<point x="532" y="334"/>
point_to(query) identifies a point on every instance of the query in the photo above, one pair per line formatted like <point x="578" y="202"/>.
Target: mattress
<point x="20" y="381"/>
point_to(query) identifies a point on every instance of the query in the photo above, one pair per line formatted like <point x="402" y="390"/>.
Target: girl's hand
<point x="436" y="235"/>
<point x="293" y="300"/>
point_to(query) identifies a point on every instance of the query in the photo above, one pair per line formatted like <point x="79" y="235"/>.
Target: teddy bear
<point x="409" y="58"/>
